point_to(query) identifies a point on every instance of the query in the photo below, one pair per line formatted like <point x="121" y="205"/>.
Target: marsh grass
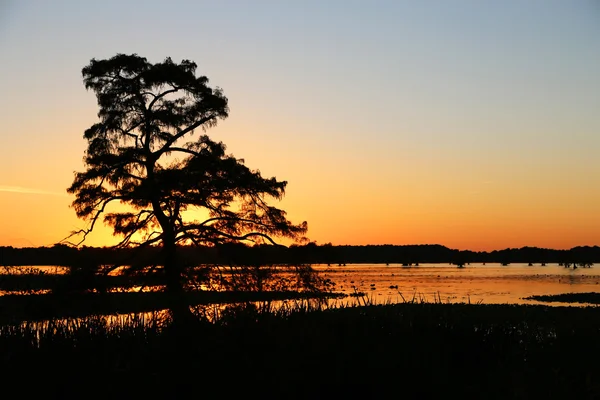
<point x="311" y="349"/>
<point x="39" y="307"/>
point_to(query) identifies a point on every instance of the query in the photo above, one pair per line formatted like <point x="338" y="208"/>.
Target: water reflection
<point x="491" y="283"/>
<point x="33" y="270"/>
<point x="487" y="284"/>
<point x="159" y="319"/>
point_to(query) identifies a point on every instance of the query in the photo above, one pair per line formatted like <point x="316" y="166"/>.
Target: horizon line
<point x="339" y="245"/>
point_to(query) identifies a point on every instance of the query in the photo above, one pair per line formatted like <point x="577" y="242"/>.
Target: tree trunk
<point x="178" y="302"/>
<point x="179" y="305"/>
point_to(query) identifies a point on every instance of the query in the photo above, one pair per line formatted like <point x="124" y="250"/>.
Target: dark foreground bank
<point x="395" y="351"/>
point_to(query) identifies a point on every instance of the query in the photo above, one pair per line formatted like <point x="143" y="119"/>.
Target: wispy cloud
<point x="24" y="190"/>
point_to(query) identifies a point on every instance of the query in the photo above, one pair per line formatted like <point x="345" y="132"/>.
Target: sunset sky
<point x="471" y="124"/>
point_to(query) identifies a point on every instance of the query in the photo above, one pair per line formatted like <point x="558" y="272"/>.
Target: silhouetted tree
<point x="144" y="154"/>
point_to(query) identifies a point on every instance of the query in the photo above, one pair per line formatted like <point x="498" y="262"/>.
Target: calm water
<point x="488" y="284"/>
<point x="475" y="283"/>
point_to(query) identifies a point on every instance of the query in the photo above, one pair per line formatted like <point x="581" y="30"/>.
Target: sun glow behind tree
<point x="155" y="180"/>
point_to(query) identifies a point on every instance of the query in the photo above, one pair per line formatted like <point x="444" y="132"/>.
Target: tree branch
<point x="163" y="94"/>
<point x="203" y="224"/>
<point x="182" y="150"/>
<point x="237" y="237"/>
<point x="182" y="133"/>
<point x="86" y="232"/>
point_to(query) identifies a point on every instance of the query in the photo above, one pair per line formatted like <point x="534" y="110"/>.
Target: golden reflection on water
<point x="476" y="283"/>
<point x="33" y="270"/>
<point x="381" y="284"/>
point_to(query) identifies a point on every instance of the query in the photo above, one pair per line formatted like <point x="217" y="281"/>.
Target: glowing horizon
<point x="102" y="236"/>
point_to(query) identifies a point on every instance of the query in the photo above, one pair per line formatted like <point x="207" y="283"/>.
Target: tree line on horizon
<point x="239" y="254"/>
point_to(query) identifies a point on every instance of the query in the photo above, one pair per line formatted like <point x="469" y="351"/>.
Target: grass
<point x="291" y="346"/>
<point x="39" y="307"/>
<point x="307" y="350"/>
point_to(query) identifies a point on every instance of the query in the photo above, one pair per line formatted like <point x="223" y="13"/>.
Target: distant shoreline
<point x="306" y="254"/>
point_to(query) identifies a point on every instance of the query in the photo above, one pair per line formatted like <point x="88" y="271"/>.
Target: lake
<point x="475" y="283"/>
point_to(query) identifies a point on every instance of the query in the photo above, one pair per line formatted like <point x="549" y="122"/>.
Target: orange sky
<point x="347" y="203"/>
<point x="475" y="127"/>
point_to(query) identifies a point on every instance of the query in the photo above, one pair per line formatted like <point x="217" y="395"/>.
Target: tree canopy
<point x="148" y="114"/>
<point x="145" y="153"/>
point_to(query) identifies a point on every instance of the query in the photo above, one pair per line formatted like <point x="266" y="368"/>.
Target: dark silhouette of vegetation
<point x="309" y="254"/>
<point x="589" y="298"/>
<point x="415" y="350"/>
<point x="144" y="154"/>
<point x="45" y="307"/>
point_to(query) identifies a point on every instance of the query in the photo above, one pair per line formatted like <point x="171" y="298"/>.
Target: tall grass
<point x="311" y="349"/>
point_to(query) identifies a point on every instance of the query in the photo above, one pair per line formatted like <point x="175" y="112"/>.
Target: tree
<point x="144" y="153"/>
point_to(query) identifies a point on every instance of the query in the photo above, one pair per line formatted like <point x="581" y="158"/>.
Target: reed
<point x="307" y="348"/>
